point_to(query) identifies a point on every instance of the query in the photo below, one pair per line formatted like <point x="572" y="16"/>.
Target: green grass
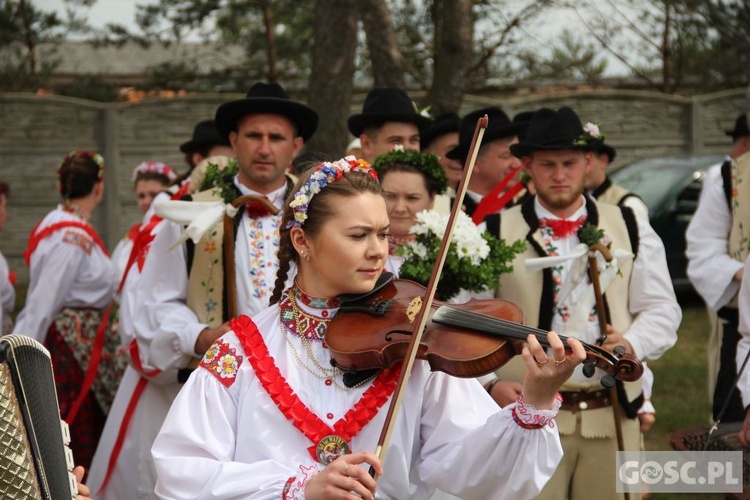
<point x="680" y="385"/>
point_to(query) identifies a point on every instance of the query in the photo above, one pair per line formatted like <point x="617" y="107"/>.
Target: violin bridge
<point x="413" y="309"/>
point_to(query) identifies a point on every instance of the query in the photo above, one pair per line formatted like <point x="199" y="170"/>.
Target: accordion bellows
<point x="35" y="461"/>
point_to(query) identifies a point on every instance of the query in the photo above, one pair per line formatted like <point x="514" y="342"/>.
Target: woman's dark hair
<point x="321" y="208"/>
<point x="78" y="174"/>
<point x="152" y="176"/>
<point x="4" y="188"/>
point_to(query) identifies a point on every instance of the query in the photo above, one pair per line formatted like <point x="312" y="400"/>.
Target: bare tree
<point x="386" y="58"/>
<point x="452" y="51"/>
<point x="331" y="78"/>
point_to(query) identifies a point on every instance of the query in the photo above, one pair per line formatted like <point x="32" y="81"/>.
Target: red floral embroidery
<point x="293" y="408"/>
<point x="222" y="362"/>
<point x="12" y="277"/>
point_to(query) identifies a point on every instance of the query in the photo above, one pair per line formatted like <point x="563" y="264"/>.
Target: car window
<point x="651" y="182"/>
<point x="657" y="180"/>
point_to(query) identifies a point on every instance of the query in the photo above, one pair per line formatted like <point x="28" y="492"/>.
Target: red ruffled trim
<point x="37" y="238"/>
<point x="293" y="408"/>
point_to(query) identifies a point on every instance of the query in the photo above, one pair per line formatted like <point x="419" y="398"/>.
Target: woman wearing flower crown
<point x="267" y="416"/>
<point x="149" y="179"/>
<point x="72" y="280"/>
<point x="411" y="180"/>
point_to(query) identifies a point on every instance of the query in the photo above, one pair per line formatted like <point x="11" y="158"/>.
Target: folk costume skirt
<point x="71" y="341"/>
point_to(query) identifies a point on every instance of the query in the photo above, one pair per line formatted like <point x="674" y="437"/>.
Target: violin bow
<point x="431" y="288"/>
<point x="602" y="313"/>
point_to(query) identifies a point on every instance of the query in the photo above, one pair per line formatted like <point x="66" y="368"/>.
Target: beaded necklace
<point x="296" y="322"/>
<point x="73" y="208"/>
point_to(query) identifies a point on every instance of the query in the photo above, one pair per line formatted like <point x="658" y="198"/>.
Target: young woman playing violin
<point x="267" y="416"/>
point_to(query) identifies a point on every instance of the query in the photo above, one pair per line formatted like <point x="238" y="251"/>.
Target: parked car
<point x="671" y="187"/>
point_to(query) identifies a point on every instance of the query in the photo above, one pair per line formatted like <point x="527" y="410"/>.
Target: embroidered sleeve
<point x="72" y="237"/>
<point x="528" y="417"/>
<point x="294" y="489"/>
<point x="223" y="362"/>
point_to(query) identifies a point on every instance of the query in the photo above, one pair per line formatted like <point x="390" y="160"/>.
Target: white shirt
<point x="163" y="314"/>
<point x="234" y="442"/>
<point x="710" y="267"/>
<point x="7" y="295"/>
<point x="64" y="274"/>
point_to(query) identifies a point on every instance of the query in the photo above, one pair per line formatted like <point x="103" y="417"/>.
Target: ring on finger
<point x="559" y="362"/>
<point x="542" y="363"/>
<point x="346" y="470"/>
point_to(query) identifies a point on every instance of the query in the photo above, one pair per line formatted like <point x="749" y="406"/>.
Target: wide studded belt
<point x="575" y="401"/>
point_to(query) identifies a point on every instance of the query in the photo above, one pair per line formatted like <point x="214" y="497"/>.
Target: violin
<point x="467" y="340"/>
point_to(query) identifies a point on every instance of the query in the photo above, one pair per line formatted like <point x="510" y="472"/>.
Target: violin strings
<point x="486" y="324"/>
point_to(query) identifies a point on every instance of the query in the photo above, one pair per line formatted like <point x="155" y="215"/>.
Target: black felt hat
<point x="205" y="134"/>
<point x="551" y="130"/>
<point x="604" y="148"/>
<point x="268" y="98"/>
<point x="498" y="127"/>
<point x="740" y="127"/>
<point x="447" y="123"/>
<point x="523" y="118"/>
<point x="389" y="104"/>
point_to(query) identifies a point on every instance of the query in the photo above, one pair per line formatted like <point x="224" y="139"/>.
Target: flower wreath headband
<point x="426" y="163"/>
<point x="95" y="157"/>
<point x="155" y="167"/>
<point x="324" y="174"/>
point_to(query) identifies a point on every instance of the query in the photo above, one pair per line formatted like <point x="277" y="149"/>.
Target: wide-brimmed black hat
<point x="205" y="135"/>
<point x="523" y="118"/>
<point x="604" y="148"/>
<point x="389" y="104"/>
<point x="447" y="123"/>
<point x="498" y="126"/>
<point x="552" y="130"/>
<point x="740" y="127"/>
<point x="268" y="98"/>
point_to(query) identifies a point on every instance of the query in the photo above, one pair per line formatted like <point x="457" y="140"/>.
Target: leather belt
<point x="575" y="401"/>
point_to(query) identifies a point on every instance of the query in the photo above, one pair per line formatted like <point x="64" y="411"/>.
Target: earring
<point x="306" y="256"/>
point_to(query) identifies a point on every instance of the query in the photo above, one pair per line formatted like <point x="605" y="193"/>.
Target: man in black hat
<point x="642" y="313"/>
<point x="388" y="119"/>
<point x="440" y="138"/>
<point x="206" y="142"/>
<point x="185" y="294"/>
<point x="600" y="186"/>
<point x="494" y="159"/>
<point x="716" y="252"/>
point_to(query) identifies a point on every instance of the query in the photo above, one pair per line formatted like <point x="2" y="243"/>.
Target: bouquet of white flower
<point x="474" y="262"/>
